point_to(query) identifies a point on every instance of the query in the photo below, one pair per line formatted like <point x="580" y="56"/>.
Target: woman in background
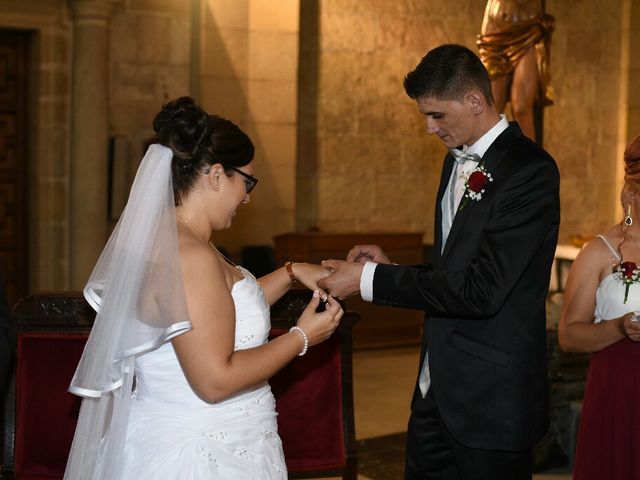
<point x="602" y="301"/>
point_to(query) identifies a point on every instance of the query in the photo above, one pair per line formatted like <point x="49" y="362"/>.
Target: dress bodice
<point x="158" y="373"/>
<point x="610" y="298"/>
<point x="610" y="294"/>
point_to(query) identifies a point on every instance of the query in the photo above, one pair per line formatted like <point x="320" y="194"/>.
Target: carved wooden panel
<point x="53" y="311"/>
<point x="13" y="164"/>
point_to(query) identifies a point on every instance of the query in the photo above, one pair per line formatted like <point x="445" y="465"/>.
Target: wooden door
<point x="14" y="268"/>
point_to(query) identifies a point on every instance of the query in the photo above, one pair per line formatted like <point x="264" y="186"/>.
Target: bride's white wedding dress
<point x="173" y="434"/>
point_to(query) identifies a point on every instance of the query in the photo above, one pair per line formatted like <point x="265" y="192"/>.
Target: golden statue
<point x="514" y="44"/>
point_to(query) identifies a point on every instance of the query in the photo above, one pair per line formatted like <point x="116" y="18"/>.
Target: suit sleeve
<point x="526" y="212"/>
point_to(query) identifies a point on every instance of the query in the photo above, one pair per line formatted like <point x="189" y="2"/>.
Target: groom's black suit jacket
<point x="484" y="299"/>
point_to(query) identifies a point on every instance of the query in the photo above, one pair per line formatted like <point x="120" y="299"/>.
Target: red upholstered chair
<point x="52" y="329"/>
<point x="314" y="393"/>
<point x="314" y="398"/>
<point x="45" y="412"/>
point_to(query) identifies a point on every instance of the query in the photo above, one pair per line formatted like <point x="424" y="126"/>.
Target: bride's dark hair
<point x="197" y="140"/>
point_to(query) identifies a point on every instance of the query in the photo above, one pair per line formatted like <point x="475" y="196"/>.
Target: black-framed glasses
<point x="250" y="181"/>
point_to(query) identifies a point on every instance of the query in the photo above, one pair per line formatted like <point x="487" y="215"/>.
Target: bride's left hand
<point x="309" y="274"/>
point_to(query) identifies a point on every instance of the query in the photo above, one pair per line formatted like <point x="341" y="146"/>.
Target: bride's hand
<point x="309" y="274"/>
<point x="630" y="326"/>
<point x="320" y="325"/>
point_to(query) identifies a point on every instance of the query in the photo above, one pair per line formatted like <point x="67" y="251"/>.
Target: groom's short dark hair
<point x="447" y="73"/>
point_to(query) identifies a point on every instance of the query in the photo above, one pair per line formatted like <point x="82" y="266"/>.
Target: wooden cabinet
<point x="378" y="326"/>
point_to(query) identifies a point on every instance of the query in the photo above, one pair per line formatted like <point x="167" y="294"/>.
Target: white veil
<point x="137" y="291"/>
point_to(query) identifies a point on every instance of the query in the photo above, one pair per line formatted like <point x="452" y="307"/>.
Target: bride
<point x="174" y="374"/>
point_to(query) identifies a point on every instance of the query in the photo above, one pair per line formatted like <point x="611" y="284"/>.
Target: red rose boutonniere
<point x="628" y="273"/>
<point x="474" y="184"/>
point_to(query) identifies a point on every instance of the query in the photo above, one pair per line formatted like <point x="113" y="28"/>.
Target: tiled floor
<point x="383" y="383"/>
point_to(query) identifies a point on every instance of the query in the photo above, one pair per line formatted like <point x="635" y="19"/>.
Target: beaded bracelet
<point x="304" y="336"/>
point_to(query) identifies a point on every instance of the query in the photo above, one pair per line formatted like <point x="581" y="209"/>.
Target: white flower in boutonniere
<point x="474" y="184"/>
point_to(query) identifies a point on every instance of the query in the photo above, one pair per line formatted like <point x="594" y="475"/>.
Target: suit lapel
<point x="491" y="161"/>
<point x="444" y="181"/>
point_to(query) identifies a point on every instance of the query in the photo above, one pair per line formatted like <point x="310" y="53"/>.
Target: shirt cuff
<point x="366" y="281"/>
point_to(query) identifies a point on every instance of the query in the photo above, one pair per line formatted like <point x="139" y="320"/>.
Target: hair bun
<point x="181" y="125"/>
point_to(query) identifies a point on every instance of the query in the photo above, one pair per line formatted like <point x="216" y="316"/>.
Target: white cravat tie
<point x="465" y="162"/>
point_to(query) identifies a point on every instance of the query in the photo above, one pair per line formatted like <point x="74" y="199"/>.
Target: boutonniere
<point x="475" y="182"/>
<point x="628" y="273"/>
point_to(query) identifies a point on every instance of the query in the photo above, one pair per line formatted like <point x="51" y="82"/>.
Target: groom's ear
<point x="475" y="100"/>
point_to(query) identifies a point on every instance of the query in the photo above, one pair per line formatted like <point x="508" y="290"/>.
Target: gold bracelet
<point x="288" y="266"/>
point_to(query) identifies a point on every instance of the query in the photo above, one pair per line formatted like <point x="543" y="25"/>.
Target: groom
<point x="480" y="401"/>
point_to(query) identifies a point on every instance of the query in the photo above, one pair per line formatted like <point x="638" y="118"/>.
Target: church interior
<point x="341" y="153"/>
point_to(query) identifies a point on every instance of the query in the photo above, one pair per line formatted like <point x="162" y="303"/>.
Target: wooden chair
<point x="52" y="329"/>
<point x="314" y="393"/>
<point x="314" y="397"/>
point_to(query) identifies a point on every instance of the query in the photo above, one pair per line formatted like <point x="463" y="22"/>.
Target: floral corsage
<point x="474" y="184"/>
<point x="628" y="273"/>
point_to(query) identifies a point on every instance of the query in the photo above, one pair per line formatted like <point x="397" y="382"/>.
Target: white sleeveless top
<point x="610" y="293"/>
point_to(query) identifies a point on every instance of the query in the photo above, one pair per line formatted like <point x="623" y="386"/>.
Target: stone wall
<point x="149" y="63"/>
<point x="241" y="63"/>
<point x="48" y="22"/>
<point x="582" y="130"/>
<point x="362" y="140"/>
<point x="318" y="86"/>
<point x="633" y="126"/>
<point x="248" y="73"/>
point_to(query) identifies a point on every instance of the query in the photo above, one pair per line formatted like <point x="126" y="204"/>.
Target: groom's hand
<point x="344" y="280"/>
<point x="367" y="253"/>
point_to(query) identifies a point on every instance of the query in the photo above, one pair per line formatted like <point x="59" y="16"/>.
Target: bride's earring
<point x="628" y="221"/>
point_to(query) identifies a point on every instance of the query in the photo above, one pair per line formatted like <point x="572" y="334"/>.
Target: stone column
<point x="89" y="136"/>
